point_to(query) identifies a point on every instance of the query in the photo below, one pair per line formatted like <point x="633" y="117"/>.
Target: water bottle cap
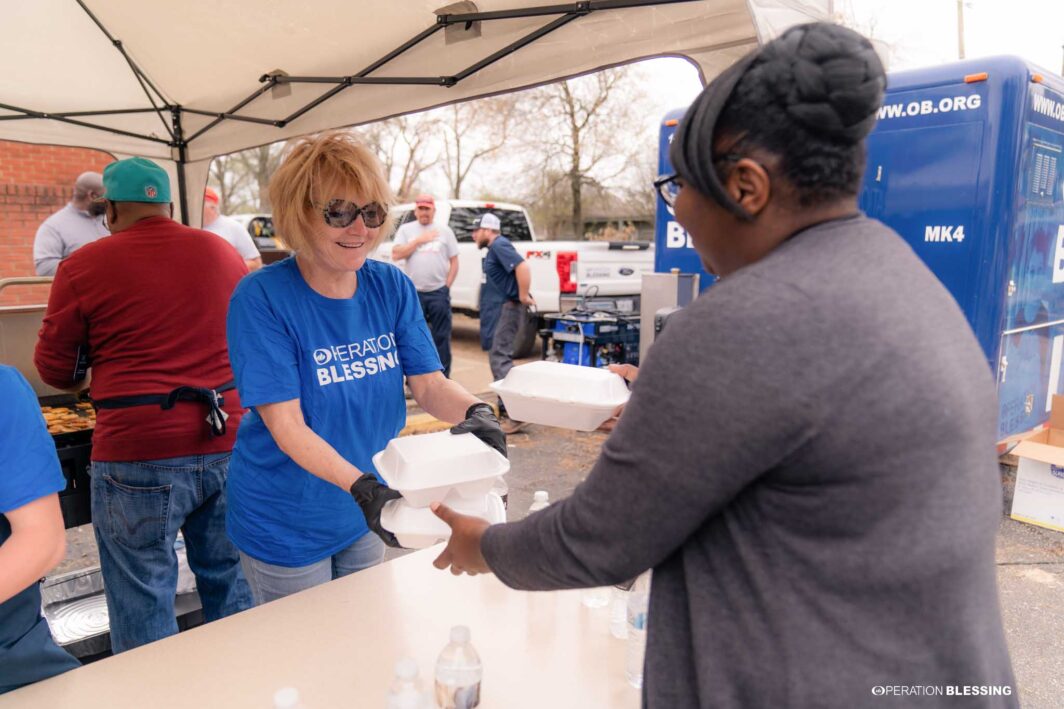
<point x="406" y="669"/>
<point x="460" y="634"/>
<point x="286" y="698"/>
<point x="540" y="496"/>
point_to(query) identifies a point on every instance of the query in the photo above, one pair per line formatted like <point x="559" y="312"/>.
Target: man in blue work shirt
<point x="31" y="536"/>
<point x="508" y="274"/>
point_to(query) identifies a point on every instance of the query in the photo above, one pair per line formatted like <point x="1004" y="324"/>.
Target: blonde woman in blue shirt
<point x="321" y="344"/>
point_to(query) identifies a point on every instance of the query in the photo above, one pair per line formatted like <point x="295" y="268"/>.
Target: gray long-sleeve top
<point x="62" y="234"/>
<point x="807" y="462"/>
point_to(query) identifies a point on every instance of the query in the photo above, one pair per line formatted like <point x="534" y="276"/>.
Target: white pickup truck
<point x="597" y="274"/>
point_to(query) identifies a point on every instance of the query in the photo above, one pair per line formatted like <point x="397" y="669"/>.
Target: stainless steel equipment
<point x="662" y="292"/>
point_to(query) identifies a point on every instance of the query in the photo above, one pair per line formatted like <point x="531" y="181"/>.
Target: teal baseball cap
<point x="136" y="180"/>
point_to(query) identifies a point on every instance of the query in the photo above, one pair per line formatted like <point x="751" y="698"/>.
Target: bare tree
<point x="242" y="178"/>
<point x="406" y="147"/>
<point x="586" y="138"/>
<point x="228" y="181"/>
<point x="473" y="131"/>
<point x="259" y="164"/>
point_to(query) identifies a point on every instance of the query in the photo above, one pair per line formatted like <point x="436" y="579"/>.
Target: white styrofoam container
<point x="426" y="468"/>
<point x="562" y="395"/>
<point x="419" y="527"/>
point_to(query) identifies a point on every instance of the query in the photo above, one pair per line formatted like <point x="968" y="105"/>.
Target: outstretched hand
<point x="630" y="372"/>
<point x="463" y="548"/>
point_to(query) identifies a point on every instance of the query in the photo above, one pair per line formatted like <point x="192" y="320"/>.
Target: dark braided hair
<point x="810" y="97"/>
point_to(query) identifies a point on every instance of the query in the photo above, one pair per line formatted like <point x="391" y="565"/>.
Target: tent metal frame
<point x="176" y="140"/>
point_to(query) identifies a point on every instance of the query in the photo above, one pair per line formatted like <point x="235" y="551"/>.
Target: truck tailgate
<point x="612" y="268"/>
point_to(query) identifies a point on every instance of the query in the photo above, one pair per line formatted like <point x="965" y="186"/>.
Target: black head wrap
<point x="827" y="79"/>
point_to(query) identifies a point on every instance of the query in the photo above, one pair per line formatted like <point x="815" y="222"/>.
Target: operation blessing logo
<point x="355" y="360"/>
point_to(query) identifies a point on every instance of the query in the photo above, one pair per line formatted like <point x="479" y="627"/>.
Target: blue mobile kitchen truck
<point x="966" y="165"/>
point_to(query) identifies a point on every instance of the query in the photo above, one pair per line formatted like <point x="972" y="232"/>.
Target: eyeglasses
<point x="340" y="213"/>
<point x="668" y="187"/>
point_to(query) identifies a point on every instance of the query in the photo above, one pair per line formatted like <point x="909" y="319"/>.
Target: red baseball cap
<point x="210" y="195"/>
<point x="425" y="199"/>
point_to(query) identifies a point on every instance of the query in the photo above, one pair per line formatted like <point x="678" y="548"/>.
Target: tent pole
<point x="141" y="78"/>
<point x="182" y="158"/>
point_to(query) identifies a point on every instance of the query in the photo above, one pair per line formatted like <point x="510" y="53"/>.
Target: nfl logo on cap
<point x="136" y="180"/>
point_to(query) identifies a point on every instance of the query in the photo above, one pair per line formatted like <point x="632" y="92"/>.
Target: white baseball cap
<point x="488" y="220"/>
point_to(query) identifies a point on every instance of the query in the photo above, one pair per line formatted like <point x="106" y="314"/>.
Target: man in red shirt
<point x="145" y="310"/>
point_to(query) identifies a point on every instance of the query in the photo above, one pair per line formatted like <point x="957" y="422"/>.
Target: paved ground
<point x="1030" y="559"/>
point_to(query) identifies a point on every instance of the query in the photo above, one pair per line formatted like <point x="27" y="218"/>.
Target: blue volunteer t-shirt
<point x="345" y="360"/>
<point x="29" y="470"/>
<point x="499" y="267"/>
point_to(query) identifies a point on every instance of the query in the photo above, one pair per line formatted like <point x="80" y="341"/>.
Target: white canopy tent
<point x="183" y="81"/>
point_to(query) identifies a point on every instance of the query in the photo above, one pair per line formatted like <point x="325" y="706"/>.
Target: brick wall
<point x="35" y="182"/>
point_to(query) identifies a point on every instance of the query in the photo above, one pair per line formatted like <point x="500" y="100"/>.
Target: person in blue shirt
<point x="508" y="275"/>
<point x="32" y="538"/>
<point x="320" y="345"/>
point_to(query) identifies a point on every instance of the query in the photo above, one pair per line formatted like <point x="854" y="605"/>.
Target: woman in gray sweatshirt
<point x="807" y="459"/>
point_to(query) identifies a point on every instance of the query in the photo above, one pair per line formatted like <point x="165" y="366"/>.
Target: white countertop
<point x="338" y="644"/>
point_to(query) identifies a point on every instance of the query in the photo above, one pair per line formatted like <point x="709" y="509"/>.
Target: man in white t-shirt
<point x="430" y="255"/>
<point x="230" y="230"/>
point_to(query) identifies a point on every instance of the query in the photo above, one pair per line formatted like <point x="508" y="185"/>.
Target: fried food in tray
<point x="63" y="419"/>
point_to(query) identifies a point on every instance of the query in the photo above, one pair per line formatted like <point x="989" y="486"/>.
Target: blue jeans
<point x="436" y="305"/>
<point x="137" y="509"/>
<point x="269" y="582"/>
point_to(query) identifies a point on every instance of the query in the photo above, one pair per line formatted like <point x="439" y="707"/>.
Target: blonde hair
<point x="319" y="168"/>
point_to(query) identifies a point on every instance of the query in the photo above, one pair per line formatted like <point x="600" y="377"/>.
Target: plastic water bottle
<point x="458" y="672"/>
<point x="638" y="604"/>
<point x="540" y="501"/>
<point x="598" y="597"/>
<point x="406" y="692"/>
<point x="287" y="698"/>
<point x="619" y="612"/>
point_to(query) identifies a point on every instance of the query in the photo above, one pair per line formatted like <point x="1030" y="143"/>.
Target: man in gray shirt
<point x="430" y="255"/>
<point x="807" y="459"/>
<point x="73" y="226"/>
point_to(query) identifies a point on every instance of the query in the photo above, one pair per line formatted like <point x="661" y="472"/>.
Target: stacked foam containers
<point x="460" y="470"/>
<point x="457" y="470"/>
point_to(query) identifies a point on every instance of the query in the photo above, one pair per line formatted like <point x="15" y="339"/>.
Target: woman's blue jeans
<point x="269" y="582"/>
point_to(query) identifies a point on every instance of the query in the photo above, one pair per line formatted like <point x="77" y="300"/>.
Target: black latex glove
<point x="371" y="496"/>
<point x="481" y="422"/>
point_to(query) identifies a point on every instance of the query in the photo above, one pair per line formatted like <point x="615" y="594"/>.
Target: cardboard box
<point x="1039" y="497"/>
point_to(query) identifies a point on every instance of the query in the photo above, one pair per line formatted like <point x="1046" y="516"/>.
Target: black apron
<point x="211" y="397"/>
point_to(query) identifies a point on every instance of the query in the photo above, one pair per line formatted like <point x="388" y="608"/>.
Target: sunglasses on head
<point x="340" y="213"/>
